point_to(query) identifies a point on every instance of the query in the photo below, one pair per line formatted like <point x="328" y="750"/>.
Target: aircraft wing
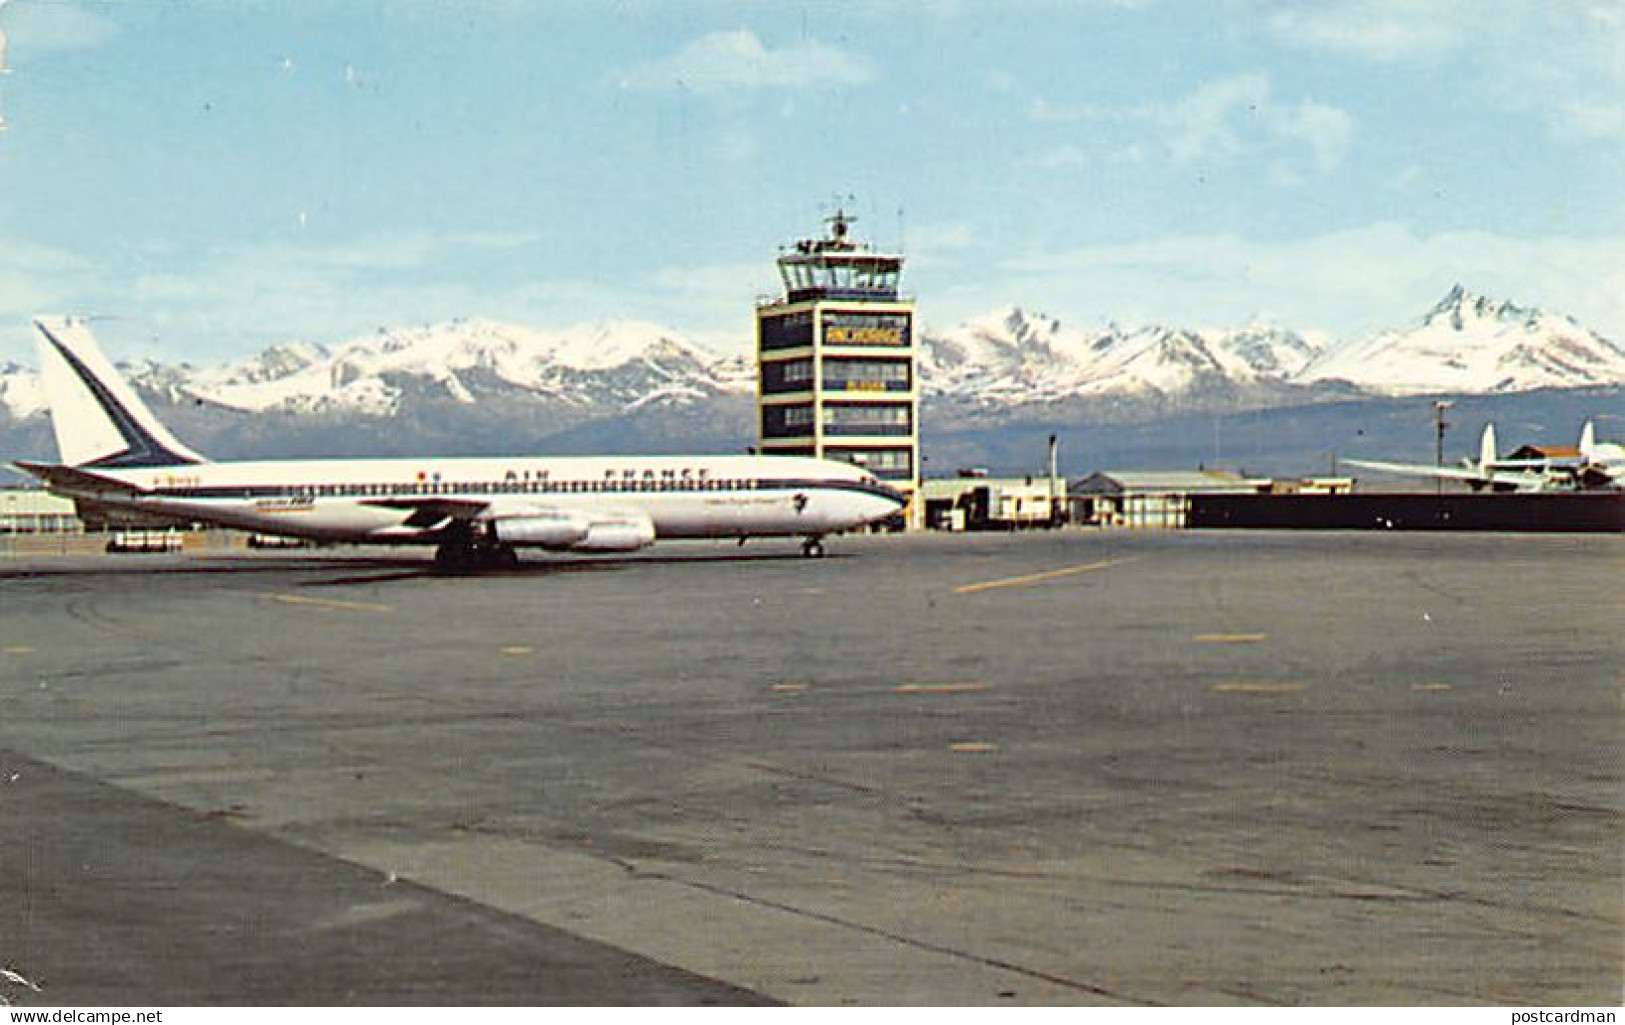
<point x="435" y="513"/>
<point x="75" y="480"/>
<point x="455" y="508"/>
<point x="1421" y="470"/>
<point x="1520" y="480"/>
<point x="432" y="511"/>
<point x="498" y="508"/>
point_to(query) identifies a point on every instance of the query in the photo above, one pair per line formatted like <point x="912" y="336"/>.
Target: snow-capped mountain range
<point x="615" y="365"/>
<point x="1467" y="344"/>
<point x="1015" y="358"/>
<point x="1472" y="345"/>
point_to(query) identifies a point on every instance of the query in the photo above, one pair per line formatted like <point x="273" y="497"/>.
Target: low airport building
<point x="33" y="511"/>
<point x="1315" y="486"/>
<point x="1154" y="499"/>
<point x="974" y="502"/>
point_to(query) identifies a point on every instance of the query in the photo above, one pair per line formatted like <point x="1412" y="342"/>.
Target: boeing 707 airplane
<point x="116" y="456"/>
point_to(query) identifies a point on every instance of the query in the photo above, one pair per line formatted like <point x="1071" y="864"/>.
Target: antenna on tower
<point x="839" y="220"/>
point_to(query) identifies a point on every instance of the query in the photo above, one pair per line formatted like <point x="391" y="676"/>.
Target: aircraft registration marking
<point x="1258" y="688"/>
<point x="1038" y="578"/>
<point x="1230" y="638"/>
<point x="330" y="603"/>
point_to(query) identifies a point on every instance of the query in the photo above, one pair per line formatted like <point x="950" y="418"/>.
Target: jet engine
<point x="625" y="533"/>
<point x="544" y="529"/>
<point x="575" y="531"/>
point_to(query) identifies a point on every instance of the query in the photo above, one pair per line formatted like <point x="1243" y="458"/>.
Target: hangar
<point x="1120" y="498"/>
<point x="35" y="511"/>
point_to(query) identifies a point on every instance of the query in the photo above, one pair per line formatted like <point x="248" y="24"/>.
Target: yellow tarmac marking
<point x="1230" y="638"/>
<point x="517" y="649"/>
<point x="1036" y="578"/>
<point x="788" y="688"/>
<point x="1427" y="688"/>
<point x="973" y="747"/>
<point x="17" y="649"/>
<point x="1258" y="688"/>
<point x="330" y="603"/>
<point x="939" y="688"/>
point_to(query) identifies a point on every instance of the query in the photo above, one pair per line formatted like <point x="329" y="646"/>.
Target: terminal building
<point x="837" y="364"/>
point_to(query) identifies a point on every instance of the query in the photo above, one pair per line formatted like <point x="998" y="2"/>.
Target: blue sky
<point x="220" y="175"/>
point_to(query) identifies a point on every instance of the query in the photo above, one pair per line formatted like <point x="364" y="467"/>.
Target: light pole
<point x="1439" y="426"/>
<point x="1056" y="510"/>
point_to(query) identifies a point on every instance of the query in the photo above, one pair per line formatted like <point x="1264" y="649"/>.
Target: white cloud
<point x="54" y="27"/>
<point x="35" y="280"/>
<point x="1001" y="82"/>
<point x="710" y="301"/>
<point x="1202" y="124"/>
<point x="1562" y="63"/>
<point x="1381" y="30"/>
<point x="738" y="61"/>
<point x="1220" y="120"/>
<point x="737" y="145"/>
<point x="1592" y="119"/>
<point x="231" y="300"/>
<point x="1327" y="131"/>
<point x="932" y="245"/>
<point x="1226" y="117"/>
<point x="1062" y="158"/>
<point x="1046" y="111"/>
<point x="234" y="299"/>
<point x="1575" y="79"/>
<point x="1348" y="282"/>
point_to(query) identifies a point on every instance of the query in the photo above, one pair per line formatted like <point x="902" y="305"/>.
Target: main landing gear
<point x="813" y="548"/>
<point x="463" y="551"/>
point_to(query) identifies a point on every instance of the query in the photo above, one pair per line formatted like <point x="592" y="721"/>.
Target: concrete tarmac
<point x="1077" y="767"/>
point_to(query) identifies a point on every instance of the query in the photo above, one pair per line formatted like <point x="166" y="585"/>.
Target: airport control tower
<point x="836" y="357"/>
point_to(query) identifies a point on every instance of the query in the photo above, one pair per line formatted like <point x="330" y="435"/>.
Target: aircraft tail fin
<point x="1486" y="448"/>
<point x="1588" y="440"/>
<point x="99" y="420"/>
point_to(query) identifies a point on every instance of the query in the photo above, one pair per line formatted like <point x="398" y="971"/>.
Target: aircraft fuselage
<point x="409" y="500"/>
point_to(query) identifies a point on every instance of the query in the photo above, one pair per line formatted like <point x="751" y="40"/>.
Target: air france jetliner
<point x="116" y="456"/>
